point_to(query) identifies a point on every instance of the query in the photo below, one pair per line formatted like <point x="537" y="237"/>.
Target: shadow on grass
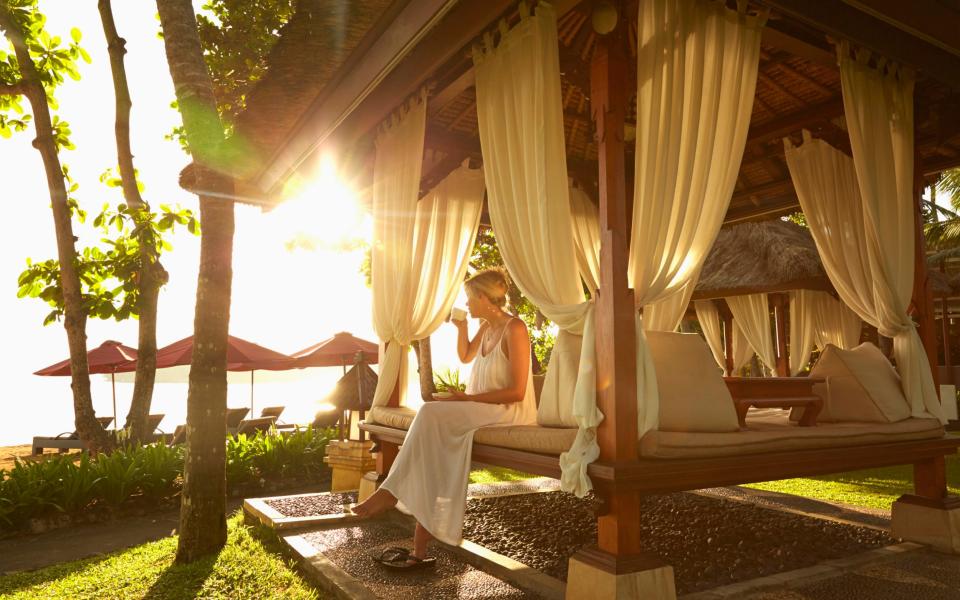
<point x="182" y="581"/>
<point x="19" y="580"/>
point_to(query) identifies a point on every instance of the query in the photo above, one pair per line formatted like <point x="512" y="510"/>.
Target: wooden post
<point x="727" y="317"/>
<point x="619" y="530"/>
<point x="929" y="516"/>
<point x="616" y="567"/>
<point x="779" y="302"/>
<point x="945" y="329"/>
<point x="922" y="292"/>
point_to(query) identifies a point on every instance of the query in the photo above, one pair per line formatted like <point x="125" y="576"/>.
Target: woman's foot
<point x="378" y="502"/>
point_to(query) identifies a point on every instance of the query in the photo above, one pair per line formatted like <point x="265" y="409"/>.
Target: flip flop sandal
<point x="399" y="559"/>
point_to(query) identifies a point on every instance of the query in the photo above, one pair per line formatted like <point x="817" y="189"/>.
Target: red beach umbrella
<point x="241" y="356"/>
<point x="109" y="357"/>
<point x="340" y="350"/>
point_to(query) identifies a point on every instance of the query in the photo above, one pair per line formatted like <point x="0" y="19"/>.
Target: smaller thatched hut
<point x="353" y="393"/>
<point x="770" y="257"/>
<point x="762" y="256"/>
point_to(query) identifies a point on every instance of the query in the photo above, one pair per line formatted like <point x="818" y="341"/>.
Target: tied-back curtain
<point x="856" y="239"/>
<point x="710" y="324"/>
<point x="751" y="313"/>
<point x="420" y="250"/>
<point x="520" y="117"/>
<point x="696" y="76"/>
<point x="586" y="237"/>
<point x="803" y="328"/>
<point x="834" y="322"/>
<point x="878" y="104"/>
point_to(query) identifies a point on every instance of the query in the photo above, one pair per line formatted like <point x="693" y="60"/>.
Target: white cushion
<point x="693" y="396"/>
<point x="862" y="386"/>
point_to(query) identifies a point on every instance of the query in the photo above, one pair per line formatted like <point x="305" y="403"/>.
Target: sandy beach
<point x="8" y="454"/>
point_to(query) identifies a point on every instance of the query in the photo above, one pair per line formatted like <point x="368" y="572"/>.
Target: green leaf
<point x="75" y="35"/>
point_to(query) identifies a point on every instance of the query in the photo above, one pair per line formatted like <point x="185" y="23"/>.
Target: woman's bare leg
<point x="378" y="502"/>
<point x="421" y="537"/>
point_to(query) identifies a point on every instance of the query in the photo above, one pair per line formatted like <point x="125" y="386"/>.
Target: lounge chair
<point x="69" y="440"/>
<point x="249" y="426"/>
<point x="234" y="417"/>
<point x="272" y="411"/>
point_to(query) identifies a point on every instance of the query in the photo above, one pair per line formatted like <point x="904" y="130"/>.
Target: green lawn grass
<point x="247" y="567"/>
<point x="497" y="474"/>
<point x="870" y="488"/>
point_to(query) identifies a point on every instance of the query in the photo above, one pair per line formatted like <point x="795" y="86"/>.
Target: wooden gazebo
<point x="317" y="98"/>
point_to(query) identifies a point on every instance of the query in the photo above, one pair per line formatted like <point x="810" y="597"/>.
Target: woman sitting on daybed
<point x="429" y="476"/>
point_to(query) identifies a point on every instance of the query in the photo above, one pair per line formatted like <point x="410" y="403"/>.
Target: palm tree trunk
<point x="425" y="368"/>
<point x="75" y="316"/>
<point x="151" y="274"/>
<point x="203" y="527"/>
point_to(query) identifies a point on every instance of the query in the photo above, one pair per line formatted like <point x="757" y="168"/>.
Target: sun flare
<point x="323" y="212"/>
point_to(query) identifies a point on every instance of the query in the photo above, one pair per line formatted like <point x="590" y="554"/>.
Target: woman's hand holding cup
<point x="458" y="317"/>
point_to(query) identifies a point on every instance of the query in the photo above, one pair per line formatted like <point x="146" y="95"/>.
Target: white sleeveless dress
<point x="429" y="476"/>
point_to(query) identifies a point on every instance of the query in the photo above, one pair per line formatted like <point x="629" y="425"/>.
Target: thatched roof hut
<point x="354" y="391"/>
<point x="763" y="256"/>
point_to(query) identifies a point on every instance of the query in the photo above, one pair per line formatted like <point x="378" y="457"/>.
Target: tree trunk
<point x="75" y="316"/>
<point x="151" y="275"/>
<point x="203" y="527"/>
<point x="425" y="368"/>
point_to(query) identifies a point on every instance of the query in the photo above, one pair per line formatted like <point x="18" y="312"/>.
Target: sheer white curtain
<point x="666" y="314"/>
<point x="420" y="250"/>
<point x="520" y="116"/>
<point x="696" y="75"/>
<point x="803" y="328"/>
<point x="742" y="350"/>
<point x="834" y="322"/>
<point x="878" y="104"/>
<point x="709" y="318"/>
<point x="586" y="237"/>
<point x="751" y="313"/>
<point x="866" y="243"/>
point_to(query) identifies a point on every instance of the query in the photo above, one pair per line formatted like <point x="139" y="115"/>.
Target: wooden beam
<point x="784" y="186"/>
<point x="794" y="122"/>
<point x="772" y="207"/>
<point x="780" y="303"/>
<point x="356" y="80"/>
<point x="933" y="22"/>
<point x="785" y="36"/>
<point x="345" y="113"/>
<point x="839" y="20"/>
<point x="807" y="283"/>
<point x="922" y="300"/>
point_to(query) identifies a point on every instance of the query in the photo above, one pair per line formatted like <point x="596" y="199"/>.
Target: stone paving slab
<point x="921" y="575"/>
<point x="901" y="572"/>
<point x="341" y="558"/>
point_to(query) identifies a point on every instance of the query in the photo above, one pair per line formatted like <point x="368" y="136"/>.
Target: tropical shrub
<point x="71" y="483"/>
<point x="448" y="380"/>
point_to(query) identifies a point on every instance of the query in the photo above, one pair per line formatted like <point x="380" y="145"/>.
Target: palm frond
<point x="950" y="184"/>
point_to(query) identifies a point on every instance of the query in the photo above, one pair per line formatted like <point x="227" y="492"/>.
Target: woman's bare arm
<point x="518" y="346"/>
<point x="466" y="348"/>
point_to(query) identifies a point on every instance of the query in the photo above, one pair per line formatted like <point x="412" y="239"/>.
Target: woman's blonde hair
<point x="492" y="283"/>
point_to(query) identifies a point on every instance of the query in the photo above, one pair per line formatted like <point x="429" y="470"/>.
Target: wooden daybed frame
<point x="664" y="475"/>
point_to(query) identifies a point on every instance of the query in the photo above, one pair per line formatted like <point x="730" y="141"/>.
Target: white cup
<point x="458" y="314"/>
